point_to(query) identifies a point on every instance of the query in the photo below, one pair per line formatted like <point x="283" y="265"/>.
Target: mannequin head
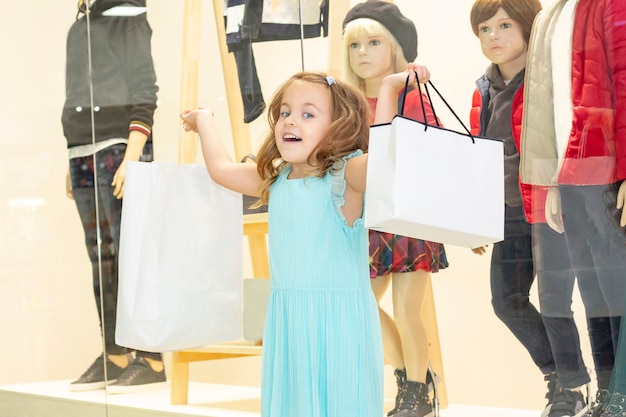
<point x="384" y="21"/>
<point x="368" y="28"/>
<point x="522" y="11"/>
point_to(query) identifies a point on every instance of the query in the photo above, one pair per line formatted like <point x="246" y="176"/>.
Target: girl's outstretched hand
<point x="190" y="118"/>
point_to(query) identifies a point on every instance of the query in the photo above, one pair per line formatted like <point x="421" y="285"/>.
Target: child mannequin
<point x="573" y="136"/>
<point x="552" y="339"/>
<point x="379" y="41"/>
<point x="322" y="350"/>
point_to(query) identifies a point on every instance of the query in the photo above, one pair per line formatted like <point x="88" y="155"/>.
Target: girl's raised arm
<point x="223" y="170"/>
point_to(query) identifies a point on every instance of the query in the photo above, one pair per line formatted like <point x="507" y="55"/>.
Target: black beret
<point x="389" y="15"/>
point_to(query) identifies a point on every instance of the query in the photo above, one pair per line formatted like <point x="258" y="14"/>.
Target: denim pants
<point x="556" y="279"/>
<point x="618" y="378"/>
<point x="101" y="223"/>
<point x="512" y="275"/>
<point x="597" y="248"/>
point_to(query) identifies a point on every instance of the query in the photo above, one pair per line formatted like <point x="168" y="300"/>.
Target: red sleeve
<point x="413" y="107"/>
<point x="615" y="36"/>
<point x="517" y="110"/>
<point x="533" y="196"/>
<point x="477" y="104"/>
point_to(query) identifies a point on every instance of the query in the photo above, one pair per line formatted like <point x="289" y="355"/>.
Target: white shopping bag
<point x="180" y="263"/>
<point x="435" y="184"/>
<point x="256" y="292"/>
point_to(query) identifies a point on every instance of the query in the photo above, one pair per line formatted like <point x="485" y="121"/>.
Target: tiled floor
<point x="52" y="399"/>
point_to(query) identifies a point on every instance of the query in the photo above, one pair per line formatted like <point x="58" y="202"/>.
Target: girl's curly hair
<point x="348" y="131"/>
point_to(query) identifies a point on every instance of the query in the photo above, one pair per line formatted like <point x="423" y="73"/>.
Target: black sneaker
<point x="567" y="403"/>
<point x="552" y="380"/>
<point x="139" y="376"/>
<point x="93" y="378"/>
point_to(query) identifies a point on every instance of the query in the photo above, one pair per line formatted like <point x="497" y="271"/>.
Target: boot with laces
<point x="400" y="375"/>
<point x="415" y="402"/>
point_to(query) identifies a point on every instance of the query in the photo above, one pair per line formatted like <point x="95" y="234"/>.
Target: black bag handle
<point x="248" y="200"/>
<point x="250" y="156"/>
<point x="419" y="86"/>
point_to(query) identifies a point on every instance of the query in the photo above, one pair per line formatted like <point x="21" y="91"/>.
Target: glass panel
<point x="50" y="317"/>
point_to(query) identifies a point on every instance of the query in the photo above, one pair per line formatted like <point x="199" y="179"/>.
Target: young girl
<point x="379" y="41"/>
<point x="322" y="348"/>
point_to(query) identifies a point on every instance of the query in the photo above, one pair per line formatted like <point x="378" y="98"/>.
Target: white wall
<point x="45" y="290"/>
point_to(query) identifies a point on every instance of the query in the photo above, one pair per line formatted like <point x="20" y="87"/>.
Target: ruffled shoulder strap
<point x="338" y="185"/>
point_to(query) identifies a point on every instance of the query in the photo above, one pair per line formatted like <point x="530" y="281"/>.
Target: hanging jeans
<point x="249" y="85"/>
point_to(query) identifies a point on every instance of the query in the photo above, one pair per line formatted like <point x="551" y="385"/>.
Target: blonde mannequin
<point x="372" y="53"/>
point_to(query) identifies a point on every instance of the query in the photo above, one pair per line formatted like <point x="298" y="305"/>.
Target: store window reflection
<point x="107" y="121"/>
<point x="53" y="249"/>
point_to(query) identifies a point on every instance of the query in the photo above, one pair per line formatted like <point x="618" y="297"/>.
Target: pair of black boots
<point x="412" y="399"/>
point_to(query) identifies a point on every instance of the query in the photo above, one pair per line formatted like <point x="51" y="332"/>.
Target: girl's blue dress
<point x="322" y="346"/>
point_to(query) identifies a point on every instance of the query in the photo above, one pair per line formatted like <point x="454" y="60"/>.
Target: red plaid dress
<point x="394" y="253"/>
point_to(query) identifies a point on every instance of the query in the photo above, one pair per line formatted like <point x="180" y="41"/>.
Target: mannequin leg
<point x="392" y="345"/>
<point x="409" y="295"/>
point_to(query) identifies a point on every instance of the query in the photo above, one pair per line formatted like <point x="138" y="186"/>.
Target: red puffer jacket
<point x="596" y="147"/>
<point x="533" y="196"/>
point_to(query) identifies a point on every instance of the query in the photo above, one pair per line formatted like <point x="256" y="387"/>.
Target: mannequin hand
<point x="423" y="75"/>
<point x="479" y="250"/>
<point x="414" y="72"/>
<point x="621" y="202"/>
<point x="134" y="149"/>
<point x="118" y="180"/>
<point x="553" y="210"/>
<point x="68" y="186"/>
